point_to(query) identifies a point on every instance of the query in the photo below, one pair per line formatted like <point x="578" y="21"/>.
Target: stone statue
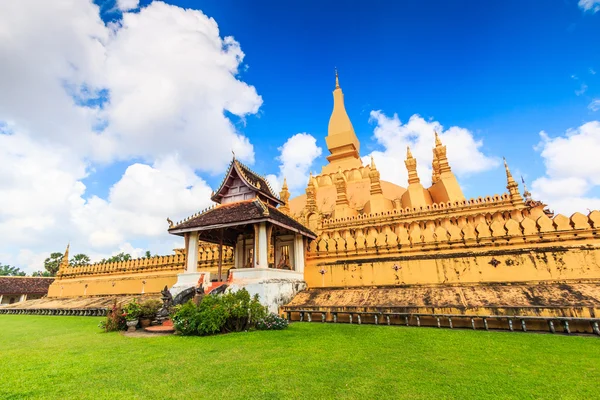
<point x="167" y="299"/>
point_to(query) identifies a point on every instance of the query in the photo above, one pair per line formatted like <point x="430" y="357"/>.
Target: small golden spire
<point x="408" y="153"/>
<point x="372" y="162"/>
<point x="285" y="186"/>
<point x="337" y="79"/>
<point x="438" y="142"/>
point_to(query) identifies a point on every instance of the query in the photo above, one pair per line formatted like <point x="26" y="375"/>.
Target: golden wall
<point x="511" y="246"/>
<point x="133" y="277"/>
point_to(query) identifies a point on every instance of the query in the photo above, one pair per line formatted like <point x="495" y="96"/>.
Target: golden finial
<point x="408" y="153"/>
<point x="438" y="142"/>
<point x="508" y="174"/>
<point x="372" y="162"/>
<point x="170" y="222"/>
<point x="337" y="79"/>
<point x="285" y="186"/>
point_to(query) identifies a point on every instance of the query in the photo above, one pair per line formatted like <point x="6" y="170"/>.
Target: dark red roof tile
<point x="24" y="285"/>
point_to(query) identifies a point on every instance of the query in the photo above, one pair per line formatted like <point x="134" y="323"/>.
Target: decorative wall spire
<point x="411" y="166"/>
<point x="512" y="186"/>
<point x="64" y="262"/>
<point x="374" y="176"/>
<point x="435" y="169"/>
<point x="440" y="154"/>
<point x="284" y="195"/>
<point x="337" y="80"/>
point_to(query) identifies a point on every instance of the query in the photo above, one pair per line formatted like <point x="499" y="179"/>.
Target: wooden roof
<point x="251" y="179"/>
<point x="232" y="219"/>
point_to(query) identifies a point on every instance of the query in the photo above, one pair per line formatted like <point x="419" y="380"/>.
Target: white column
<point x="192" y="252"/>
<point x="1" y="296"/>
<point x="299" y="253"/>
<point x="261" y="258"/>
<point x="237" y="254"/>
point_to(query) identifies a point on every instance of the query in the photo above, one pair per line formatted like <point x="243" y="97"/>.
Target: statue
<point x="167" y="299"/>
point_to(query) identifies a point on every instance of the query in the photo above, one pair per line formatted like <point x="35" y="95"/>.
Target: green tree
<point x="52" y="263"/>
<point x="148" y="254"/>
<point x="79" y="260"/>
<point x="7" y="270"/>
<point x="44" y="274"/>
<point x="117" y="258"/>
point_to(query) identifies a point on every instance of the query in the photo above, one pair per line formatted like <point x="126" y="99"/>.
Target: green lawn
<point x="69" y="358"/>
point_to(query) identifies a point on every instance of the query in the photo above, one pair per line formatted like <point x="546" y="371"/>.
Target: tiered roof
<point x="253" y="180"/>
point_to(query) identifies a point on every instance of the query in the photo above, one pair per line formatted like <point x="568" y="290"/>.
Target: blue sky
<point x="116" y="114"/>
<point x="504" y="70"/>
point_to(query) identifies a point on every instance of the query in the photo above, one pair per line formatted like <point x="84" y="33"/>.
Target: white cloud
<point x="592" y="71"/>
<point x="594" y="105"/>
<point x="464" y="151"/>
<point x="154" y="86"/>
<point x="297" y="156"/>
<point x="572" y="169"/>
<point x="126" y="5"/>
<point x="589" y="5"/>
<point x="171" y="78"/>
<point x="581" y="90"/>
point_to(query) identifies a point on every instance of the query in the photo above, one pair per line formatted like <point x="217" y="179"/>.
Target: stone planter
<point x="131" y="325"/>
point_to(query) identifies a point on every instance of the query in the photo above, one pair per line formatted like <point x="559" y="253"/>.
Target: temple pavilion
<point x="246" y="218"/>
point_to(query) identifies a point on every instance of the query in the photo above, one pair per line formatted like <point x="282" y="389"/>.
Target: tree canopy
<point x="117" y="258"/>
<point x="79" y="260"/>
<point x="52" y="263"/>
<point x="7" y="270"/>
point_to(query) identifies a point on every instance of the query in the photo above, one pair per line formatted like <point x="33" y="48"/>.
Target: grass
<point x="69" y="358"/>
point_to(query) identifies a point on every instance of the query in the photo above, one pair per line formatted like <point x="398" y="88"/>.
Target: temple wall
<point x="482" y="248"/>
<point x="134" y="277"/>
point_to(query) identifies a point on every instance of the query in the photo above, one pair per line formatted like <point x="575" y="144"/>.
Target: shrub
<point x="115" y="321"/>
<point x="150" y="307"/>
<point x="229" y="312"/>
<point x="186" y="318"/>
<point x="132" y="310"/>
<point x="272" y="322"/>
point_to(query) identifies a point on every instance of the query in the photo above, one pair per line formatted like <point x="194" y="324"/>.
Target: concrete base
<point x="274" y="287"/>
<point x="185" y="281"/>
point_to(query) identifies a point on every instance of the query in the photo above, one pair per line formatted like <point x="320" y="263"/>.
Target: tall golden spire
<point x="411" y="166"/>
<point x="341" y="140"/>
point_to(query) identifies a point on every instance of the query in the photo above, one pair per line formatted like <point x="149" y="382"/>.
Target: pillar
<point x="191" y="260"/>
<point x="238" y="255"/>
<point x="261" y="250"/>
<point x="299" y="253"/>
<point x="1" y="296"/>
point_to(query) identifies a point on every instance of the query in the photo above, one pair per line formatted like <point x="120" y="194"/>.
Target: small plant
<point x="132" y="310"/>
<point x="115" y="321"/>
<point x="272" y="322"/>
<point x="149" y="308"/>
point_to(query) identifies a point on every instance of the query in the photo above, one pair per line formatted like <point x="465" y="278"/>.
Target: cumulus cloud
<point x="589" y="5"/>
<point x="160" y="86"/>
<point x="126" y="5"/>
<point x="572" y="169"/>
<point x="297" y="155"/>
<point x="464" y="151"/>
<point x="171" y="79"/>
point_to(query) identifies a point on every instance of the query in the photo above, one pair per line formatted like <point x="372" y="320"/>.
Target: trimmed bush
<point x="149" y="308"/>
